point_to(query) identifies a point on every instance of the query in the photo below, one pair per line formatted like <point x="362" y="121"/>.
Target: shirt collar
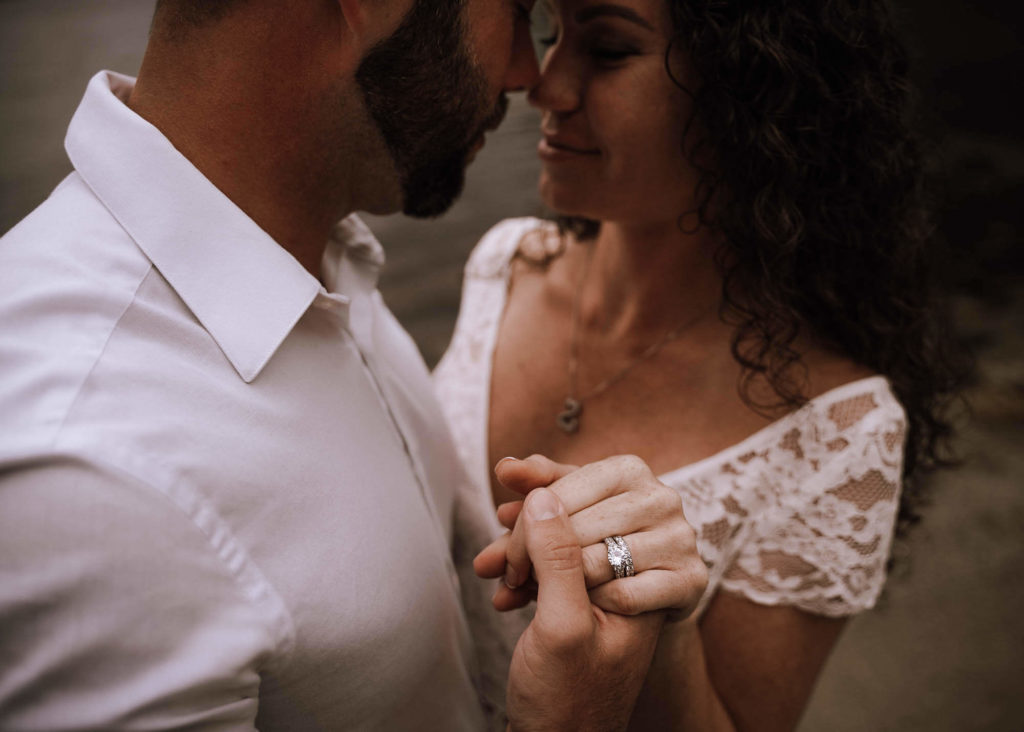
<point x="246" y="290"/>
<point x="353" y="258"/>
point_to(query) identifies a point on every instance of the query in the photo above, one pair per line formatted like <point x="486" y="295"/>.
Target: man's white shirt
<point x="225" y="489"/>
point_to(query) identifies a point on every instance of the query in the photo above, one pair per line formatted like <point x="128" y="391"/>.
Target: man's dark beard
<point x="429" y="101"/>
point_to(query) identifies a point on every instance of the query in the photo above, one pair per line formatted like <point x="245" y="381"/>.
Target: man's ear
<point x="368" y="22"/>
<point x="353" y="16"/>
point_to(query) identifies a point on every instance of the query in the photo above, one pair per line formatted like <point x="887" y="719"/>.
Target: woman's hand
<point x="619" y="496"/>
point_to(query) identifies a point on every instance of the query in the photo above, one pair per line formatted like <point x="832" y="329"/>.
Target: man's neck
<point x="249" y="113"/>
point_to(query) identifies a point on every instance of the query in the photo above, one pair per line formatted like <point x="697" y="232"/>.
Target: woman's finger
<point x="649" y="550"/>
<point x="655" y="589"/>
<point x="599" y="481"/>
<point x="627" y="513"/>
<point x="580" y="489"/>
<point x="535" y="471"/>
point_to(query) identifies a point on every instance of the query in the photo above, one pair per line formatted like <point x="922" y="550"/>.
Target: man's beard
<point x="430" y="103"/>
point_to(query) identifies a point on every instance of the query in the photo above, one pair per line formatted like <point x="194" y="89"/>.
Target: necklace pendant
<point x="569" y="418"/>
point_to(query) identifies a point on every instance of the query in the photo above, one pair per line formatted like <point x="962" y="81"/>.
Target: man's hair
<point x="175" y="17"/>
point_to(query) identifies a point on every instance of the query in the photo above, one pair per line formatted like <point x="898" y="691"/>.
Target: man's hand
<point x="617" y="496"/>
<point x="575" y="667"/>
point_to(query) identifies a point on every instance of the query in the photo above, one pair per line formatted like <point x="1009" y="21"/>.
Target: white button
<point x="331" y="302"/>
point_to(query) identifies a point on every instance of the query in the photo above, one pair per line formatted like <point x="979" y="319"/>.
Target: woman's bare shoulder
<point x="827" y="371"/>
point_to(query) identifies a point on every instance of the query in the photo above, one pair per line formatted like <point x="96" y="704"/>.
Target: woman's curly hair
<point x="816" y="190"/>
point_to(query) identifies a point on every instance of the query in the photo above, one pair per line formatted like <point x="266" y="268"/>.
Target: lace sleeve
<point x="493" y="253"/>
<point x="824" y="539"/>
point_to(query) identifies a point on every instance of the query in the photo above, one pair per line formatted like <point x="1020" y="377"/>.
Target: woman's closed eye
<point x="606" y="52"/>
<point x="611" y="53"/>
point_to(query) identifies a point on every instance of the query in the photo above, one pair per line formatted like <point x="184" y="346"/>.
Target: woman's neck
<point x="644" y="280"/>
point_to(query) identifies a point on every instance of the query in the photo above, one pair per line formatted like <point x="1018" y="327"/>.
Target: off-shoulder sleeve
<point x="823" y="542"/>
<point x="493" y="253"/>
<point x="462" y="376"/>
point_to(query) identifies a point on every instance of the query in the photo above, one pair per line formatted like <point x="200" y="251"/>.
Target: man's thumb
<point x="557" y="559"/>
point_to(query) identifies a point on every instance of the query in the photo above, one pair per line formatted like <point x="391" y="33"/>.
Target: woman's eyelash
<point x="597" y="50"/>
<point x="611" y="54"/>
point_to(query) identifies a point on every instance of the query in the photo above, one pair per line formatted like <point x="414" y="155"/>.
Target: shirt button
<point x="331" y="303"/>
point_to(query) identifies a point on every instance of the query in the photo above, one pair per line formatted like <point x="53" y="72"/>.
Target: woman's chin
<point x="565" y="200"/>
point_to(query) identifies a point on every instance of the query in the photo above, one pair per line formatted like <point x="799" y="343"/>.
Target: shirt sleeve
<point x="824" y="544"/>
<point x="115" y="612"/>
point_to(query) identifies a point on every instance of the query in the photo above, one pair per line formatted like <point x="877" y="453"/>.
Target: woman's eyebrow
<point x="619" y="11"/>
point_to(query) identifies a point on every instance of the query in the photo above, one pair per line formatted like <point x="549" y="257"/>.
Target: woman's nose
<point x="557" y="88"/>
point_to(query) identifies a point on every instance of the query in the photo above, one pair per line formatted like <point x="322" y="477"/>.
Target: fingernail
<point x="543" y="505"/>
<point x="505" y="460"/>
<point x="511" y="577"/>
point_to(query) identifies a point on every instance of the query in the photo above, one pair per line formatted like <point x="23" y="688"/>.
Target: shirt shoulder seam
<point x="217" y="536"/>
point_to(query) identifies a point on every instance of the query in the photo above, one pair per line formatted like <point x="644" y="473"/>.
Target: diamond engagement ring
<point x="619" y="557"/>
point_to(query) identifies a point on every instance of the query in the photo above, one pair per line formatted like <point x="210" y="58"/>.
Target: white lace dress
<point x="800" y="513"/>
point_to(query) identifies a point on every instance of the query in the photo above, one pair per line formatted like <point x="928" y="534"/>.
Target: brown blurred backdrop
<point x="945" y="648"/>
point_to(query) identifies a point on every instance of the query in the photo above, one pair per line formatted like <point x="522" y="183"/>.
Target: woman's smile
<point x="554" y="149"/>
<point x="603" y="65"/>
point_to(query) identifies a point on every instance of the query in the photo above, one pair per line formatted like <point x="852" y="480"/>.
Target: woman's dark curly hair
<point x="816" y="190"/>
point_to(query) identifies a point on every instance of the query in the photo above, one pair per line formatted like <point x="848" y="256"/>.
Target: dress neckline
<point x="877" y="382"/>
<point x="763" y="435"/>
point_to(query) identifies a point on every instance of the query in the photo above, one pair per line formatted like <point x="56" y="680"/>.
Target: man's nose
<point x="523" y="71"/>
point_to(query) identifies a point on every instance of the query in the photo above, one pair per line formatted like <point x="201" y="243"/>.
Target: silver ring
<point x="619" y="557"/>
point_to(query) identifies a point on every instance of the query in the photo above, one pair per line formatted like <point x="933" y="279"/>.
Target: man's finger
<point x="523" y="476"/>
<point x="535" y="471"/>
<point x="508" y="513"/>
<point x="517" y="556"/>
<point x="563" y="606"/>
<point x="506" y="599"/>
<point x="490" y="562"/>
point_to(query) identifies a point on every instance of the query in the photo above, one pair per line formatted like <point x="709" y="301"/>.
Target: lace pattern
<point x="801" y="513"/>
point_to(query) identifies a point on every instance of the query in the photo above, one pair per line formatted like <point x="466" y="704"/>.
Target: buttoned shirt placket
<point x="355" y="272"/>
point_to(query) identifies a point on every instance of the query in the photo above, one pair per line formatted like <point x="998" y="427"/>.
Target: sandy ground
<point x="945" y="648"/>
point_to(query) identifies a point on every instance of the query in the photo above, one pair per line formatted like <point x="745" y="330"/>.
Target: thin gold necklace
<point x="569" y="418"/>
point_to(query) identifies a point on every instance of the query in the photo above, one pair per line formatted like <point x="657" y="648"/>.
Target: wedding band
<point x="619" y="557"/>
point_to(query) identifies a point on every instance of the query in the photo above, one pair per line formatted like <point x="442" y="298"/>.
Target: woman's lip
<point x="550" y="149"/>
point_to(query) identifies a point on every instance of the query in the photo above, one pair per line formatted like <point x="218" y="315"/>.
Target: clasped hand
<point x="582" y="661"/>
<point x="619" y="496"/>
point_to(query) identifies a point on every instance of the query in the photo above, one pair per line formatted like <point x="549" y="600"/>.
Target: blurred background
<point x="945" y="648"/>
